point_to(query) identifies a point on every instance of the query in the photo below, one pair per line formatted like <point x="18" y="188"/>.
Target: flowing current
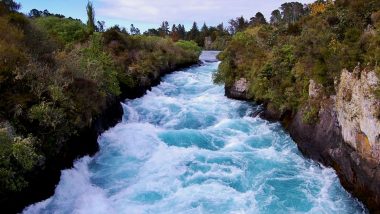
<point x="186" y="148"/>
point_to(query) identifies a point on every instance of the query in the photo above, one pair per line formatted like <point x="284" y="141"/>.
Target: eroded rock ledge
<point x="239" y="90"/>
<point x="346" y="135"/>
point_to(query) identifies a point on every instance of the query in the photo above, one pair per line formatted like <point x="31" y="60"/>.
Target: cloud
<point x="185" y="11"/>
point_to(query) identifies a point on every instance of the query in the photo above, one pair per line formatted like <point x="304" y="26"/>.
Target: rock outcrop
<point x="346" y="135"/>
<point x="239" y="90"/>
<point x="315" y="90"/>
<point x="358" y="112"/>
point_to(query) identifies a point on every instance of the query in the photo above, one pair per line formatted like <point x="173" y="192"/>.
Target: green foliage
<point x="55" y="80"/>
<point x="11" y="53"/>
<point x="90" y="17"/>
<point x="310" y="115"/>
<point x="220" y="43"/>
<point x="17" y="157"/>
<point x="98" y="65"/>
<point x="279" y="59"/>
<point x="24" y="153"/>
<point x="64" y="30"/>
<point x="140" y="57"/>
<point x="377" y="90"/>
<point x="47" y="115"/>
<point x="189" y="46"/>
<point x="7" y="6"/>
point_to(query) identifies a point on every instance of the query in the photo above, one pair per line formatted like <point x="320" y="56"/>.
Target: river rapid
<point x="186" y="148"/>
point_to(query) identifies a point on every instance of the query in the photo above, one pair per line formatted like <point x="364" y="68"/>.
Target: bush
<point x="47" y="115"/>
<point x="11" y="52"/>
<point x="98" y="65"/>
<point x="64" y="30"/>
<point x="190" y="46"/>
<point x="310" y="115"/>
<point x="17" y="157"/>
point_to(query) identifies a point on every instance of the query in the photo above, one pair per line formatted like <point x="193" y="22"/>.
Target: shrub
<point x="189" y="45"/>
<point x="17" y="157"/>
<point x="47" y="115"/>
<point x="64" y="30"/>
<point x="310" y="115"/>
<point x="99" y="65"/>
<point x="24" y="153"/>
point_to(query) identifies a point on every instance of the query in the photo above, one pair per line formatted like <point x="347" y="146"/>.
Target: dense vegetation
<point x="58" y="74"/>
<point x="300" y="43"/>
<point x="208" y="37"/>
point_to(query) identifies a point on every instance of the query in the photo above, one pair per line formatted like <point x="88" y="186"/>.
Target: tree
<point x="220" y="27"/>
<point x="237" y="25"/>
<point x="259" y="19"/>
<point x="115" y="28"/>
<point x="175" y="34"/>
<point x="164" y="29"/>
<point x="100" y="26"/>
<point x="292" y="12"/>
<point x="134" y="30"/>
<point x="318" y="7"/>
<point x="90" y="17"/>
<point x="9" y="6"/>
<point x="124" y="30"/>
<point x="204" y="30"/>
<point x="181" y="31"/>
<point x="34" y="13"/>
<point x="46" y="13"/>
<point x="152" y="32"/>
<point x="276" y="17"/>
<point x="194" y="32"/>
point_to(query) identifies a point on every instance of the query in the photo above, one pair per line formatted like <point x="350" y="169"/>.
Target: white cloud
<point x="185" y="11"/>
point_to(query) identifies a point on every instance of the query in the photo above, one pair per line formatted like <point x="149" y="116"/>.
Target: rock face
<point x="358" y="112"/>
<point x="346" y="136"/>
<point x="239" y="90"/>
<point x="315" y="89"/>
<point x="208" y="43"/>
<point x="324" y="142"/>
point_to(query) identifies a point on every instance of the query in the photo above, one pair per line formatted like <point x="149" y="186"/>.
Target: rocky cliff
<point x="358" y="112"/>
<point x="346" y="135"/>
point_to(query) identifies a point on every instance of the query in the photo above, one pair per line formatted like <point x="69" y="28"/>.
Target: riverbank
<point x="85" y="143"/>
<point x="323" y="141"/>
<point x="61" y="85"/>
<point x="319" y="77"/>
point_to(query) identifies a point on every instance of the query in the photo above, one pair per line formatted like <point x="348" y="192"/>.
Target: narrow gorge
<point x="132" y="106"/>
<point x="186" y="148"/>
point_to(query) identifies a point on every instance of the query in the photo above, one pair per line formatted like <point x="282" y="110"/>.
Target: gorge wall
<point x="346" y="135"/>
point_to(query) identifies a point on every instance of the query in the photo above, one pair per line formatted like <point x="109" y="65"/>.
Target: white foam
<point x="75" y="194"/>
<point x="136" y="172"/>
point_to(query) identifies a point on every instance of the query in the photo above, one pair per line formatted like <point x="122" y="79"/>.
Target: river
<point x="186" y="148"/>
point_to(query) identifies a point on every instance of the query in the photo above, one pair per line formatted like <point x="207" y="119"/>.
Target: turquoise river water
<point x="186" y="148"/>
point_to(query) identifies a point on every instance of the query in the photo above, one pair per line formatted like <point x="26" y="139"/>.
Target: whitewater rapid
<point x="186" y="148"/>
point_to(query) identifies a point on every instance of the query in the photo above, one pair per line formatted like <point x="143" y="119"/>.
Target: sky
<point x="146" y="14"/>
